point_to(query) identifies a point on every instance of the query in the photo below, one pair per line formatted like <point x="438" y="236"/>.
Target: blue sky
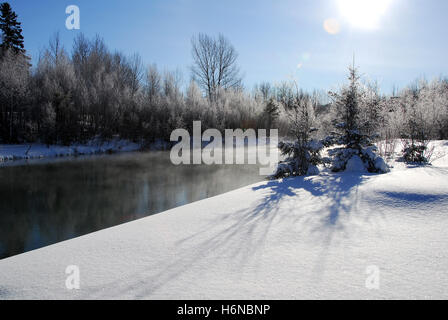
<point x="276" y="39"/>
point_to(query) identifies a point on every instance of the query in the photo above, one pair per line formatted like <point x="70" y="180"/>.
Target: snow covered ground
<point x="300" y="238"/>
<point x="34" y="151"/>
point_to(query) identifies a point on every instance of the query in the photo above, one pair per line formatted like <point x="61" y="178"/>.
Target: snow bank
<point x="355" y="164"/>
<point x="300" y="238"/>
<point x="39" y="151"/>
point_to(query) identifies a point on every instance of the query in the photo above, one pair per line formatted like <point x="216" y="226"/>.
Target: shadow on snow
<point x="334" y="188"/>
<point x="241" y="235"/>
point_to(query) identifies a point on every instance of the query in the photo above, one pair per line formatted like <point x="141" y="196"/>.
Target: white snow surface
<point x="298" y="238"/>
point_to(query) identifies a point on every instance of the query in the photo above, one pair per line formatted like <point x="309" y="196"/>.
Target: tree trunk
<point x="11" y="118"/>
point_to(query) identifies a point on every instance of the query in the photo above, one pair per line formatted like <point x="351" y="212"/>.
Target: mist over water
<point x="42" y="204"/>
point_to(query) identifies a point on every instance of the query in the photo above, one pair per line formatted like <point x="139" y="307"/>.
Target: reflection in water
<point x="48" y="203"/>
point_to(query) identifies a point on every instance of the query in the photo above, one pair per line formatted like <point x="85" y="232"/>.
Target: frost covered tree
<point x="14" y="77"/>
<point x="415" y="135"/>
<point x="153" y="84"/>
<point x="265" y="89"/>
<point x="355" y="150"/>
<point x="432" y="101"/>
<point x="371" y="115"/>
<point x="286" y="94"/>
<point x="14" y="88"/>
<point x="55" y="78"/>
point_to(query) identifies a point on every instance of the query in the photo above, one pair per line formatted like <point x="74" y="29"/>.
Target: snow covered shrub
<point x="355" y="150"/>
<point x="359" y="159"/>
<point x="301" y="159"/>
<point x="302" y="155"/>
<point x="413" y="153"/>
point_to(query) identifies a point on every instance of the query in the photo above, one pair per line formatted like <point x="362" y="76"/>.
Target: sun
<point x="364" y="14"/>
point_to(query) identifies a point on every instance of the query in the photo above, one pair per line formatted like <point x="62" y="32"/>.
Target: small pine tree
<point x="12" y="38"/>
<point x="302" y="155"/>
<point x="357" y="150"/>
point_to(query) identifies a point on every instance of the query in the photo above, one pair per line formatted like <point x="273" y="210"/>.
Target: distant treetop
<point x="11" y="37"/>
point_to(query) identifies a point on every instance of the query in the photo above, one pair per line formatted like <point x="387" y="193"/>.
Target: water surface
<point x="42" y="204"/>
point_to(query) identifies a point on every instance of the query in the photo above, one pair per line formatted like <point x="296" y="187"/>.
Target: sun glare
<point x="365" y="14"/>
<point x="332" y="26"/>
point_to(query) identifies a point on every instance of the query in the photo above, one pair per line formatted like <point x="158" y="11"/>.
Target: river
<point x="56" y="200"/>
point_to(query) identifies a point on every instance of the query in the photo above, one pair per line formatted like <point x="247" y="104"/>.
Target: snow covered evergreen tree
<point x="303" y="154"/>
<point x="355" y="150"/>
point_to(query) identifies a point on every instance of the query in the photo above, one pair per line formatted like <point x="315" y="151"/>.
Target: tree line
<point x="92" y="91"/>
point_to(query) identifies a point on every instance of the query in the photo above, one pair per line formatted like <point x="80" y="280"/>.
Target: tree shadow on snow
<point x="323" y="217"/>
<point x="336" y="190"/>
<point x="241" y="236"/>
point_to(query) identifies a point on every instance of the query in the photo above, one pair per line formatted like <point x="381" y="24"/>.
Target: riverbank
<point x="40" y="151"/>
<point x="22" y="153"/>
<point x="300" y="238"/>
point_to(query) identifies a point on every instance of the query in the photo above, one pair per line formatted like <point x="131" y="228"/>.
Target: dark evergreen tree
<point x="12" y="38"/>
<point x="272" y="112"/>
